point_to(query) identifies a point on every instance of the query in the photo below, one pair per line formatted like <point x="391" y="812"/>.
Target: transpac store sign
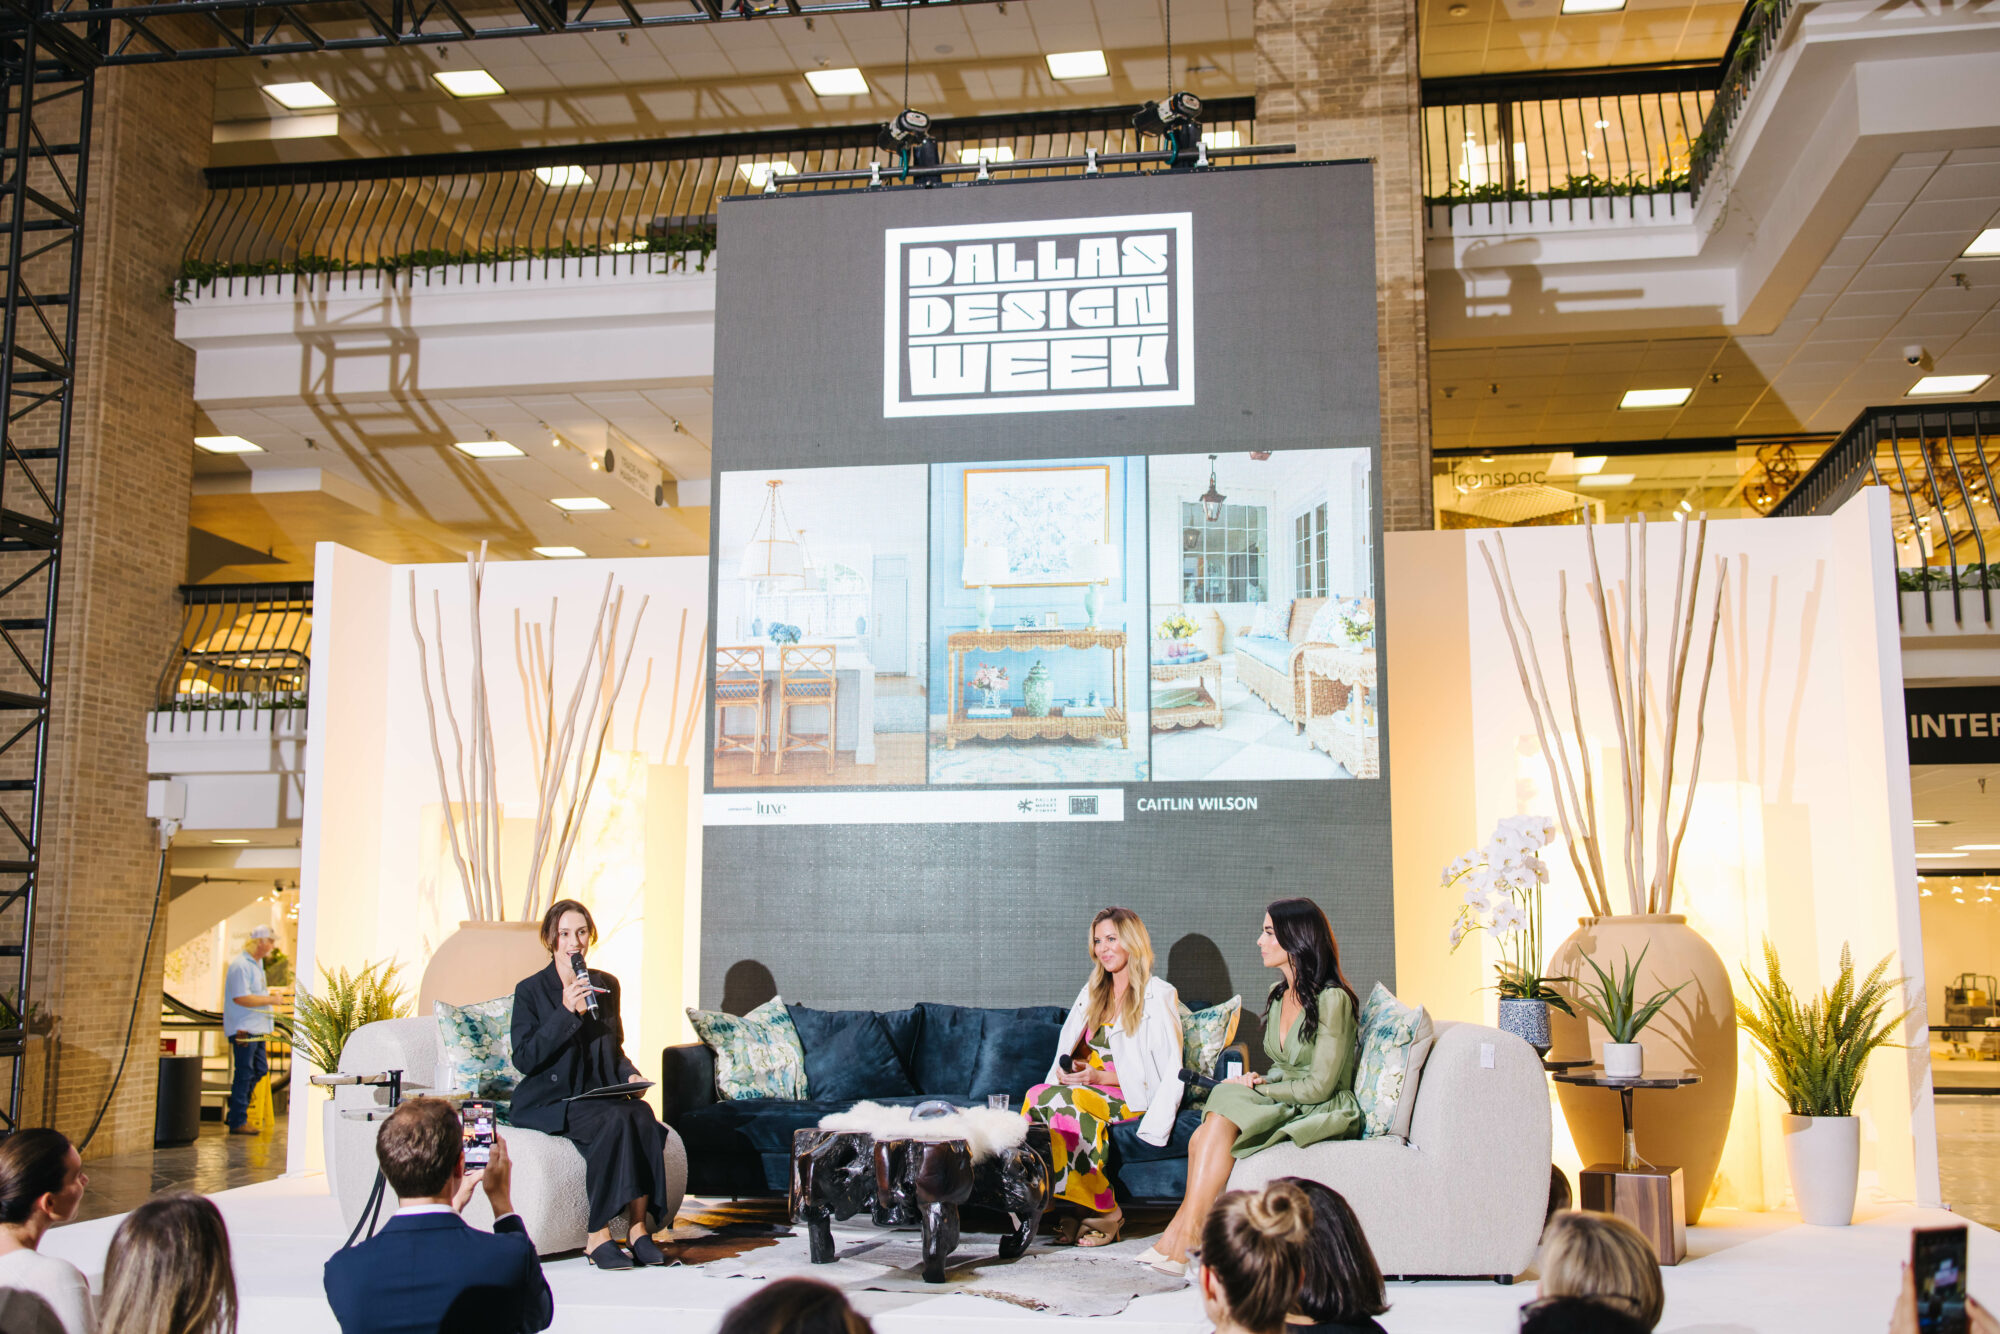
<point x="1038" y="316"/>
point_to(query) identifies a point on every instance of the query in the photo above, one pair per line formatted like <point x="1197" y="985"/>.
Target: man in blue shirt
<point x="246" y="1019"/>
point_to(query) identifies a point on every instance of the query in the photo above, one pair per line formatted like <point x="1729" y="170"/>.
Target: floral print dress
<point x="1079" y="1118"/>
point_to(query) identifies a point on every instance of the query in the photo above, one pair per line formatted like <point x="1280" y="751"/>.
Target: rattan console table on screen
<point x="1021" y="726"/>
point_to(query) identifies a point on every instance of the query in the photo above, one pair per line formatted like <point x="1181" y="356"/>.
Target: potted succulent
<point x="1503" y="896"/>
<point x="1816" y="1052"/>
<point x="1613" y="1002"/>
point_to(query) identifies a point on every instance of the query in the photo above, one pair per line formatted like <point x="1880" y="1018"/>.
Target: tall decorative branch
<point x="1649" y="880"/>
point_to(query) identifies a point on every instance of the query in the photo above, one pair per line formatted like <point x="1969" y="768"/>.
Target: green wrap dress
<point x="1309" y="1094"/>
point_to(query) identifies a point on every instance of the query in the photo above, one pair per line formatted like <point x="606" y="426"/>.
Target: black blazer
<point x="561" y="1054"/>
<point x="436" y="1274"/>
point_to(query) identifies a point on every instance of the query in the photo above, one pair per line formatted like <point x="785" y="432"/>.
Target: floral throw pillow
<point x="1204" y="1033"/>
<point x="757" y="1055"/>
<point x="1327" y="626"/>
<point x="1274" y="620"/>
<point x="1395" y="1040"/>
<point x="476" y="1048"/>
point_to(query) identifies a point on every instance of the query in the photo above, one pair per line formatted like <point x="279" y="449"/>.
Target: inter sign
<point x="1038" y="316"/>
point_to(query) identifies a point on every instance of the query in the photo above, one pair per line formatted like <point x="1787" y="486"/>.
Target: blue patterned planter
<point x="1527" y="1020"/>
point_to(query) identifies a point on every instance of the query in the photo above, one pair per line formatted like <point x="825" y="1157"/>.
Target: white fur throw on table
<point x="985" y="1130"/>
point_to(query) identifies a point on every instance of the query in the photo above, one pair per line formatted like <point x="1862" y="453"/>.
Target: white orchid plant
<point x="1502" y="886"/>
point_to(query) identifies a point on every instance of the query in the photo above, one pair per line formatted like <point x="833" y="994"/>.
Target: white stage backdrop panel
<point x="1064" y="494"/>
<point x="378" y="877"/>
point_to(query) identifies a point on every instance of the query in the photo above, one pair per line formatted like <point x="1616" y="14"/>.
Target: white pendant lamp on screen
<point x="773" y="553"/>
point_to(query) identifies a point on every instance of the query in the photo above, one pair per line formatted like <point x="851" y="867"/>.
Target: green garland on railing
<point x="1589" y="185"/>
<point x="678" y="245"/>
<point x="1937" y="578"/>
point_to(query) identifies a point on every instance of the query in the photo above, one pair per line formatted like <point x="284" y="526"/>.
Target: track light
<point x="910" y="135"/>
<point x="1178" y="121"/>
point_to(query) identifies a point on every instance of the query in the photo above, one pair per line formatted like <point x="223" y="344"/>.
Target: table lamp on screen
<point x="1096" y="563"/>
<point x="985" y="565"/>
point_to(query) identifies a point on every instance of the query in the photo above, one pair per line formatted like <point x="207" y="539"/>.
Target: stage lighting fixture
<point x="1178" y="121"/>
<point x="910" y="135"/>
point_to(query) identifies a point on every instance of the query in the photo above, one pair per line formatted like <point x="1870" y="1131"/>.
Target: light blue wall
<point x="1076" y="672"/>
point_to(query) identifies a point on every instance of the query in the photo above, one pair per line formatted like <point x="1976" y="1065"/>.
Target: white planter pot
<point x="1824" y="1156"/>
<point x="1624" y="1060"/>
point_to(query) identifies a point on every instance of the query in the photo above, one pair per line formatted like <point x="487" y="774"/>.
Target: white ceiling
<point x="1514" y="36"/>
<point x="1968" y="796"/>
<point x="1892" y="280"/>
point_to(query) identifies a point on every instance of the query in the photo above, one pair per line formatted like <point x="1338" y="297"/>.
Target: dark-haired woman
<point x="794" y="1306"/>
<point x="1309" y="1031"/>
<point x="1342" y="1290"/>
<point x="562" y="1050"/>
<point x="41" y="1185"/>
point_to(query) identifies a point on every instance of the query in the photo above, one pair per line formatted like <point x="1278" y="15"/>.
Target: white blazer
<point x="1149" y="1062"/>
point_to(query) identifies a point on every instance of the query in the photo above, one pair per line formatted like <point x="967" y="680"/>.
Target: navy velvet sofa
<point x="954" y="1053"/>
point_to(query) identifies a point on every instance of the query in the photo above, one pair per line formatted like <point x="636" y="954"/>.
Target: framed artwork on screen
<point x="1038" y="515"/>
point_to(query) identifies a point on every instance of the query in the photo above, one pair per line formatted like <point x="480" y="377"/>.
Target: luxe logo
<point x="1038" y="316"/>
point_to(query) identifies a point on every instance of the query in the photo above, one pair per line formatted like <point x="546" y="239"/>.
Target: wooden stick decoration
<point x="437" y="755"/>
<point x="1564" y="785"/>
<point x="674" y="698"/>
<point x="1599" y="895"/>
<point x="1677" y="656"/>
<point x="1639" y="705"/>
<point x="692" y="715"/>
<point x="1700" y="733"/>
<point x="1602" y="602"/>
<point x="597" y="750"/>
<point x="458" y="764"/>
<point x="559" y="757"/>
<point x="523" y="667"/>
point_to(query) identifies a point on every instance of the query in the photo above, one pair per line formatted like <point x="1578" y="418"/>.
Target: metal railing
<point x="1938" y="465"/>
<point x="1756" y="37"/>
<point x="1582" y="139"/>
<point x="625" y="207"/>
<point x="244" y="648"/>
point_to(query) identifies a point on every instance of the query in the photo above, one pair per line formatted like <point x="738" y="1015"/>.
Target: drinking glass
<point x="999" y="1102"/>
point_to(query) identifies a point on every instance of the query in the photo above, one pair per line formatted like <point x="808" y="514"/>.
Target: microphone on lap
<point x="589" y="995"/>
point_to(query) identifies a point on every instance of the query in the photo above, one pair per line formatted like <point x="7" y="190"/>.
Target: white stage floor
<point x="1748" y="1274"/>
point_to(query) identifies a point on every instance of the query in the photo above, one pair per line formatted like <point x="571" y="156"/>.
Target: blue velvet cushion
<point x="849" y="1055"/>
<point x="905" y="1027"/>
<point x="1273" y="653"/>
<point x="947" y="1047"/>
<point x="1015" y="1052"/>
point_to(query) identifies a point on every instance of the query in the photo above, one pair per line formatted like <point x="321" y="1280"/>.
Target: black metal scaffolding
<point x="45" y="76"/>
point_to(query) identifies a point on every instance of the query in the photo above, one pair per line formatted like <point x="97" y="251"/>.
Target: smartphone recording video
<point x="476" y="1118"/>
<point x="1937" y="1258"/>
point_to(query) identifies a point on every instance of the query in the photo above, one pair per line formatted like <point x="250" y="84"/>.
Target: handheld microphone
<point x="1066" y="1063"/>
<point x="590" y="994"/>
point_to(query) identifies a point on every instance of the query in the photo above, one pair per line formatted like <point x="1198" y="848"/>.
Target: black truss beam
<point x="46" y="73"/>
<point x="130" y="35"/>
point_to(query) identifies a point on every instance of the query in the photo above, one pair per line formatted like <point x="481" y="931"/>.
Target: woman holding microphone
<point x="1122" y="1041"/>
<point x="569" y="1040"/>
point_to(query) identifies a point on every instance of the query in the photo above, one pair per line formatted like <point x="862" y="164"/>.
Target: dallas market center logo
<point x="1038" y="316"/>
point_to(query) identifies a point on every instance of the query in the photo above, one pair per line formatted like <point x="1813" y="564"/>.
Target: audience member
<point x="428" y="1269"/>
<point x="1576" y="1315"/>
<point x="1342" y="1292"/>
<point x="41" y="1184"/>
<point x="1252" y="1258"/>
<point x="1978" y="1320"/>
<point x="1603" y="1257"/>
<point x="794" y="1306"/>
<point x="168" y="1271"/>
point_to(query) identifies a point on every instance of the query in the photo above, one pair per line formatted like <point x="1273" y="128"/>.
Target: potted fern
<point x="1613" y="1002"/>
<point x="1816" y="1052"/>
<point x="323" y="1022"/>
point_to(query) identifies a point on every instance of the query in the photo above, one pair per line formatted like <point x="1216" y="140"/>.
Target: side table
<point x="1651" y="1198"/>
<point x="1205" y="711"/>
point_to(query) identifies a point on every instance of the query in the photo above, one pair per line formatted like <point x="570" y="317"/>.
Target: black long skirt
<point x="622" y="1146"/>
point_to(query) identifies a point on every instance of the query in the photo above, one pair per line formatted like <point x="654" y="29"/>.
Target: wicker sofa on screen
<point x="1270" y="668"/>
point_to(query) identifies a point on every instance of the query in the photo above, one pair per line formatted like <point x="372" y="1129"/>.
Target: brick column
<point x="124" y="552"/>
<point x="1339" y="79"/>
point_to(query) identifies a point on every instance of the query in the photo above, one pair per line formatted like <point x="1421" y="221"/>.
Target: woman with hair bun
<point x="1252" y="1258"/>
<point x="1309" y="1035"/>
<point x="41" y="1185"/>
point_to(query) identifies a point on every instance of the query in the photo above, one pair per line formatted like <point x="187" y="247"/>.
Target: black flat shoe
<point x="609" y="1256"/>
<point x="646" y="1251"/>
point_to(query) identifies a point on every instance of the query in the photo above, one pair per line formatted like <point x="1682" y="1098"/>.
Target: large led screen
<point x="1047" y="533"/>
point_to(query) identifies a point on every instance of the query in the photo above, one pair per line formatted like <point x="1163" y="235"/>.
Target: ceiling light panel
<point x="468" y="83"/>
<point x="1654" y="398"/>
<point x="559" y="553"/>
<point x="1077" y="64"/>
<point x="561" y="178"/>
<point x="759" y="174"/>
<point x="1940" y="386"/>
<point x="487" y="449"/>
<point x="576" y="504"/>
<point x="226" y="444"/>
<point x="990" y="153"/>
<point x="1985" y="246"/>
<point x="1609" y="479"/>
<point x="1222" y="138"/>
<point x="298" y="96"/>
<point x="837" y="82"/>
<point x="1592" y="6"/>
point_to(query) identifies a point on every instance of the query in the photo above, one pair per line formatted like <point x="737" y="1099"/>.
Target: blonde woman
<point x="1123" y="1038"/>
<point x="1604" y="1258"/>
<point x="168" y="1271"/>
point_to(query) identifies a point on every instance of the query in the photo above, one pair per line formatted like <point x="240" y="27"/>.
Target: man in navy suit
<point x="428" y="1271"/>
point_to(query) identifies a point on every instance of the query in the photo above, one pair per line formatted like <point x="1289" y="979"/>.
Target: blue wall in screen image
<point x="1075" y="672"/>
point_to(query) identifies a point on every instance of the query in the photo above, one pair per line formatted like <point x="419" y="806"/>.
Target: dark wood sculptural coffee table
<point x="837" y="1174"/>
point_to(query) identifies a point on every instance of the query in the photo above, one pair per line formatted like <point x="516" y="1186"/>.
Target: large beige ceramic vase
<point x="479" y="961"/>
<point x="1695" y="1033"/>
